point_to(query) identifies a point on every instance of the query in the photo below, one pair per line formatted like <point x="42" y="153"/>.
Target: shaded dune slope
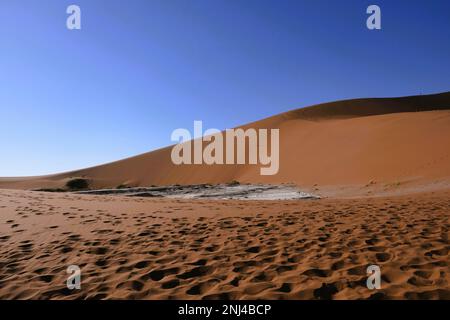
<point x="389" y="141"/>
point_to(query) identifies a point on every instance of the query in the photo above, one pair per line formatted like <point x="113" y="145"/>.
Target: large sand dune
<point x="353" y="147"/>
<point x="155" y="248"/>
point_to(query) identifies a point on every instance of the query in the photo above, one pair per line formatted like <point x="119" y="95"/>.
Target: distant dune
<point x="352" y="147"/>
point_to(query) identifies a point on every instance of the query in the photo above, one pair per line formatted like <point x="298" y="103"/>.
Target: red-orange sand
<point x="141" y="248"/>
<point x="382" y="167"/>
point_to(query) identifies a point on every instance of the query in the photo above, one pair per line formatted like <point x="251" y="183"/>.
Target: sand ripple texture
<point x="142" y="248"/>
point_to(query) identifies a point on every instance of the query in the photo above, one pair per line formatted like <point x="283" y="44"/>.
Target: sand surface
<point x="152" y="248"/>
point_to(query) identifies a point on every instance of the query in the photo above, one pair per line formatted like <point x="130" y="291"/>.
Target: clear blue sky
<point x="140" y="69"/>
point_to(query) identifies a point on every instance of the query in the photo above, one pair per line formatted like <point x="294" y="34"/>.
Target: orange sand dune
<point x="383" y="150"/>
<point x="353" y="147"/>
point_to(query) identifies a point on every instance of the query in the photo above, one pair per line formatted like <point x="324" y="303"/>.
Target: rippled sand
<point x="150" y="248"/>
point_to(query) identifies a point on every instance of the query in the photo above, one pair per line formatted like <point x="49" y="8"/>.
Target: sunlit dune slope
<point x="382" y="141"/>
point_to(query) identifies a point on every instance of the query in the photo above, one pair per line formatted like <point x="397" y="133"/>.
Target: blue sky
<point x="140" y="69"/>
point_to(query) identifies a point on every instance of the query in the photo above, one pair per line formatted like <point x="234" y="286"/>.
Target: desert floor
<point x="150" y="248"/>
